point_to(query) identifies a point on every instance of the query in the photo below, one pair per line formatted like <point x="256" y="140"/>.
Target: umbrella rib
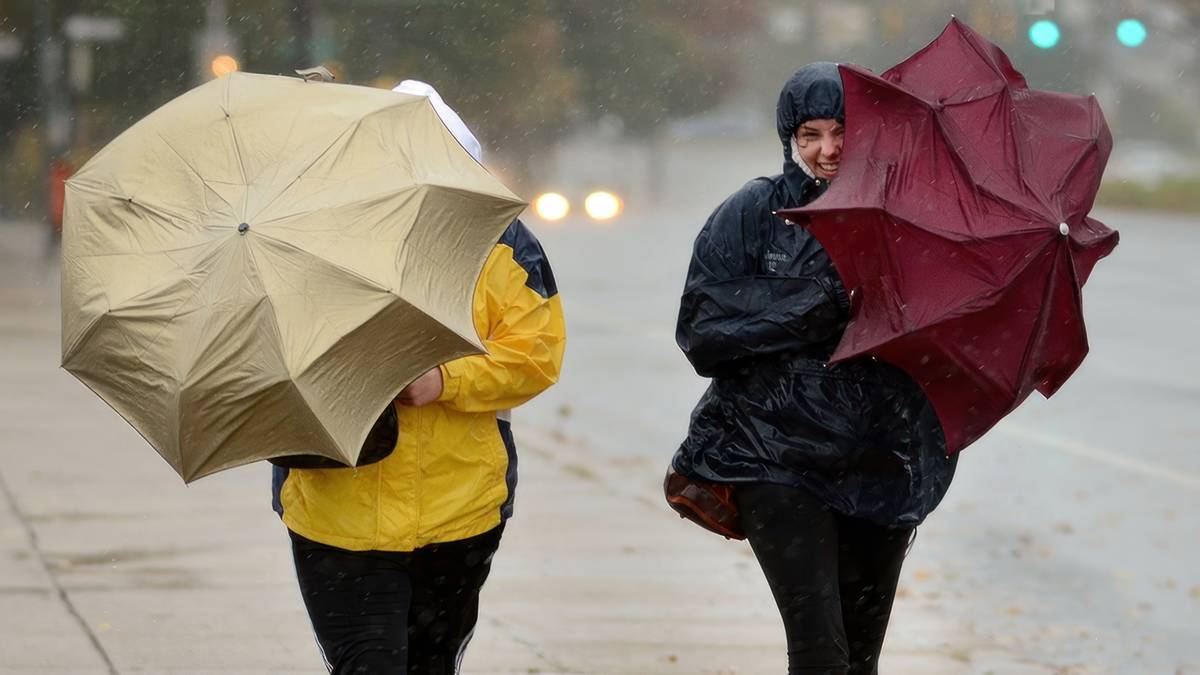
<point x="114" y="254"/>
<point x="1070" y="172"/>
<point x="112" y="195"/>
<point x="331" y="442"/>
<point x="287" y="140"/>
<point x="196" y="288"/>
<point x="375" y="198"/>
<point x="349" y="272"/>
<point x="192" y="169"/>
<point x="237" y="150"/>
<point x="990" y="298"/>
<point x="1043" y="316"/>
<point x="963" y="362"/>
<point x="348" y="131"/>
<point x="295" y="377"/>
<point x="153" y="340"/>
<point x="991" y="64"/>
<point x="299" y="292"/>
<point x="945" y="125"/>
<point x="370" y="282"/>
<point x="337" y="342"/>
<point x="951" y="130"/>
<point x="84" y="334"/>
<point x="366" y="280"/>
<point x="1029" y="189"/>
<point x="200" y="466"/>
<point x="300" y="174"/>
<point x="418" y="250"/>
<point x="1033" y="215"/>
<point x="947" y="316"/>
<point x="108" y="312"/>
<point x="945" y="235"/>
<point x="1077" y="296"/>
<point x="266" y="299"/>
<point x="195" y="346"/>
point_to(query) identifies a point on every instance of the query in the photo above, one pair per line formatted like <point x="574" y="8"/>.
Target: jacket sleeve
<point x="525" y="333"/>
<point x="730" y="311"/>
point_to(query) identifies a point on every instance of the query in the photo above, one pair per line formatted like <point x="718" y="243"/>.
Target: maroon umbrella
<point x="959" y="219"/>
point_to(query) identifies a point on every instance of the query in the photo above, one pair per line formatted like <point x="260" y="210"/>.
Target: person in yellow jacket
<point x="391" y="556"/>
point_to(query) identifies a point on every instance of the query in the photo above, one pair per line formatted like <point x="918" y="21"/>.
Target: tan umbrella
<point x="258" y="267"/>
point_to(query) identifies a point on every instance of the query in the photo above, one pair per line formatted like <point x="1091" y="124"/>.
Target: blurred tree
<point x="149" y="66"/>
<point x="646" y="62"/>
<point x="17" y="74"/>
<point x="521" y="72"/>
<point x="1191" y="13"/>
<point x="270" y="35"/>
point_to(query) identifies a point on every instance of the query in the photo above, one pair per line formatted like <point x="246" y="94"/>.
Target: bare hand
<point x="422" y="391"/>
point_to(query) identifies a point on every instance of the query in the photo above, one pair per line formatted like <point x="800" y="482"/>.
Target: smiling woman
<point x="831" y="466"/>
<point x="818" y="145"/>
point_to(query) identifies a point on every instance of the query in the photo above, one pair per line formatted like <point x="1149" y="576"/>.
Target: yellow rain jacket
<point x="453" y="471"/>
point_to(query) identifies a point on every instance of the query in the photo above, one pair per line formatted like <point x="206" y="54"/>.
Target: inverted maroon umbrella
<point x="959" y="219"/>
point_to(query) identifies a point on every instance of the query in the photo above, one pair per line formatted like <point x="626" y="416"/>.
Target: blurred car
<point x="598" y="205"/>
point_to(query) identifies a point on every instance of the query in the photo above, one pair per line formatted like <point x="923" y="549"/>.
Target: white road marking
<point x="1149" y="469"/>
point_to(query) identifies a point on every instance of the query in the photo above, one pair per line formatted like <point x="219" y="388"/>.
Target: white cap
<point x="450" y="118"/>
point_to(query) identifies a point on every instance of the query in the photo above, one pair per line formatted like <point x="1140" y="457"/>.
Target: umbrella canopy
<point x="959" y="220"/>
<point x="258" y="267"/>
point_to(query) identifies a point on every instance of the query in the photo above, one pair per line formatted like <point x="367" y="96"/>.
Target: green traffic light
<point x="1044" y="34"/>
<point x="1131" y="32"/>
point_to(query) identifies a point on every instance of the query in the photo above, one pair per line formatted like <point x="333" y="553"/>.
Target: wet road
<point x="1070" y="541"/>
<point x="1072" y="531"/>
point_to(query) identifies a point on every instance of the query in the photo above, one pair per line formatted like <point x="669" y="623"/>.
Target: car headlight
<point x="551" y="206"/>
<point x="602" y="205"/>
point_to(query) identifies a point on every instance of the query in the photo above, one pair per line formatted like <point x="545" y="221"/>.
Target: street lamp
<point x="223" y="64"/>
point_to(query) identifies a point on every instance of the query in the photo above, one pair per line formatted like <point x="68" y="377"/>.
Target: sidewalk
<point x="597" y="575"/>
<point x="109" y="564"/>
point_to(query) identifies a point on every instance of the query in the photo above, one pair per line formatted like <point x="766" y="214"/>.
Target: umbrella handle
<point x="315" y="73"/>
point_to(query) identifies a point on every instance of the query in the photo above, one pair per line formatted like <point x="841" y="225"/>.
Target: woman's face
<point x="820" y="145"/>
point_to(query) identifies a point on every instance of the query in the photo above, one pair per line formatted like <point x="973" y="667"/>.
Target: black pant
<point x="385" y="612"/>
<point x="833" y="577"/>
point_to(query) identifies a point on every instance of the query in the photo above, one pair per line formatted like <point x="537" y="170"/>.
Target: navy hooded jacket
<point x="762" y="311"/>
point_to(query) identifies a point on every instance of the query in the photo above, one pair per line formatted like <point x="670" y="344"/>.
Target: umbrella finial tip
<point x="1062" y="227"/>
<point x="243" y="227"/>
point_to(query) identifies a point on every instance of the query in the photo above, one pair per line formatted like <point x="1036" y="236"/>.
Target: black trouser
<point x="386" y="612"/>
<point x="833" y="577"/>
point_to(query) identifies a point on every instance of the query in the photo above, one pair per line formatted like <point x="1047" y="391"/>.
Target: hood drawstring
<point x="795" y="157"/>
